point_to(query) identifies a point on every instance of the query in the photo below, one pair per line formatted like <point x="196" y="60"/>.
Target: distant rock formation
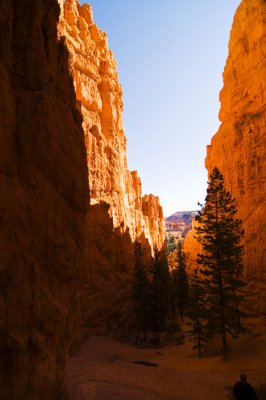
<point x="179" y="222"/>
<point x="238" y="148"/>
<point x="70" y="209"/>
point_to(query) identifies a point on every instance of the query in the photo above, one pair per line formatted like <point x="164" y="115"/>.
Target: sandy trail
<point x="104" y="369"/>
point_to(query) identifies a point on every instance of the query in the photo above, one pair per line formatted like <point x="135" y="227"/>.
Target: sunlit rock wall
<point x="154" y="221"/>
<point x="238" y="148"/>
<point x="100" y="95"/>
<point x="116" y="218"/>
<point x="191" y="248"/>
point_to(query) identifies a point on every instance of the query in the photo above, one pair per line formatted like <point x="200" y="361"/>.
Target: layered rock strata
<point x="66" y="234"/>
<point x="238" y="149"/>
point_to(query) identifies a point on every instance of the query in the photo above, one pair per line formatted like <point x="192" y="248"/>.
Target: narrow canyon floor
<point x="105" y="369"/>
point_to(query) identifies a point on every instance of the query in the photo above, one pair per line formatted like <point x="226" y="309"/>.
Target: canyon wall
<point x="191" y="248"/>
<point x="44" y="200"/>
<point x="238" y="148"/>
<point x="115" y="192"/>
<point x="99" y="94"/>
<point x="70" y="209"/>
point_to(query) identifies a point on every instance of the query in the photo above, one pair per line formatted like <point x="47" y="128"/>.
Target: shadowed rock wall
<point x="44" y="200"/>
<point x="66" y="235"/>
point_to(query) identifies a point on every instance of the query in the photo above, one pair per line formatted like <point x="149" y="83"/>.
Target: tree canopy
<point x="219" y="232"/>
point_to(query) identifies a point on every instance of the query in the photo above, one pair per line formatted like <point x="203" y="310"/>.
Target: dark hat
<point x="243" y="375"/>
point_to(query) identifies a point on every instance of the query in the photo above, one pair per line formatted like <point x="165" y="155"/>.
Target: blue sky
<point x="170" y="59"/>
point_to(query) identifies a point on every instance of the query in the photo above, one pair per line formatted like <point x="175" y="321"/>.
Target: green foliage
<point x="158" y="293"/>
<point x="150" y="293"/>
<point x="174" y="332"/>
<point x="219" y="232"/>
<point x="197" y="313"/>
<point x="170" y="244"/>
<point x="180" y="284"/>
<point x="140" y="292"/>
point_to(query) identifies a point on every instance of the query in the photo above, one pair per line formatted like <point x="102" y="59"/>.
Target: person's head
<point x="243" y="377"/>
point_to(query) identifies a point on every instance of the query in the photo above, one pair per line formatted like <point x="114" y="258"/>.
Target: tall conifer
<point x="197" y="312"/>
<point x="180" y="283"/>
<point x="140" y="293"/>
<point x="219" y="232"/>
<point x="159" y="293"/>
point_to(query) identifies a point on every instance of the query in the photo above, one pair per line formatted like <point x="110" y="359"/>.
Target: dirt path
<point x="104" y="369"/>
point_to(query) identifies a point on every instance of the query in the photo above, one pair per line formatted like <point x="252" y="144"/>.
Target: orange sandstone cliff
<point x="99" y="95"/>
<point x="70" y="209"/>
<point x="238" y="148"/>
<point x="191" y="248"/>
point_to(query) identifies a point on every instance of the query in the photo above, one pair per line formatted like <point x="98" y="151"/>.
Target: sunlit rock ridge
<point x="71" y="210"/>
<point x="238" y="148"/>
<point x="100" y="95"/>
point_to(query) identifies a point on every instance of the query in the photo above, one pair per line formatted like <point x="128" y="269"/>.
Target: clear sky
<point x="170" y="56"/>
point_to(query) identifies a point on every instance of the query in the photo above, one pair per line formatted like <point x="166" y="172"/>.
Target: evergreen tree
<point x="197" y="313"/>
<point x="170" y="244"/>
<point x="159" y="293"/>
<point x="180" y="283"/>
<point x="219" y="232"/>
<point x="140" y="293"/>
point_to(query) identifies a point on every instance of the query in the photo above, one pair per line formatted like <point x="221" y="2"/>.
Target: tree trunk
<point x="199" y="341"/>
<point x="224" y="344"/>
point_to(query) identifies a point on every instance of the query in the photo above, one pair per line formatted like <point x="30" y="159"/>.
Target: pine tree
<point x="159" y="293"/>
<point x="140" y="293"/>
<point x="197" y="312"/>
<point x="180" y="283"/>
<point x="170" y="244"/>
<point x="219" y="232"/>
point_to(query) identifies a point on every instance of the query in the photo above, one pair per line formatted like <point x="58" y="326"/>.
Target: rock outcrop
<point x="191" y="248"/>
<point x="238" y="148"/>
<point x="99" y="94"/>
<point x="44" y="200"/>
<point x="70" y="209"/>
<point x="153" y="220"/>
<point x="115" y="192"/>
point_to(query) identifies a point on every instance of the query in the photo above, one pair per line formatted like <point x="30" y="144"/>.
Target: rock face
<point x="44" y="200"/>
<point x="238" y="148"/>
<point x="153" y="219"/>
<point x="115" y="192"/>
<point x="191" y="248"/>
<point x="99" y="94"/>
<point x="66" y="235"/>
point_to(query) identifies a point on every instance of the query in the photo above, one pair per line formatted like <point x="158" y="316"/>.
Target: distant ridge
<point x="179" y="223"/>
<point x="181" y="216"/>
